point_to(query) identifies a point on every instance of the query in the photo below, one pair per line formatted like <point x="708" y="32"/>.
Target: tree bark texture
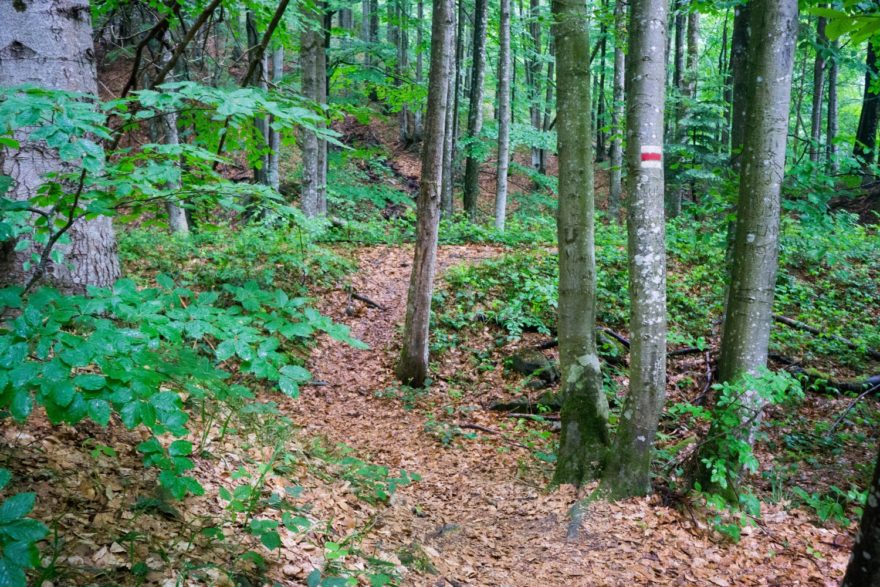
<point x="447" y="199"/>
<point x="584" y="415"/>
<point x="309" y="41"/>
<point x="475" y="109"/>
<point x="49" y="43"/>
<point x="629" y="471"/>
<point x="818" y="92"/>
<point x="748" y="316"/>
<point x="412" y="367"/>
<point x="503" y="116"/>
<point x="739" y="65"/>
<point x="274" y="135"/>
<point x="617" y="110"/>
<point x="831" y="148"/>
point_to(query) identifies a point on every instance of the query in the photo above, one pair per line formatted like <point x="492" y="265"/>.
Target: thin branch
<point x="261" y="48"/>
<point x="190" y="34"/>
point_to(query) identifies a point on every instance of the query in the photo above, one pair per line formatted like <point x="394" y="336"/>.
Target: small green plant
<point x="19" y="536"/>
<point x="833" y="504"/>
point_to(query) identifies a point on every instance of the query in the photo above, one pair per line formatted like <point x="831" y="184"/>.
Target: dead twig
<point x="813" y="330"/>
<point x="471" y="426"/>
<point x="367" y="301"/>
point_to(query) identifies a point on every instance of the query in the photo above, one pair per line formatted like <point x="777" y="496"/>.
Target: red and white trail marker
<point x="652" y="157"/>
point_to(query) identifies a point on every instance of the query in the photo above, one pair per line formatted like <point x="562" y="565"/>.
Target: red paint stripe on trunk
<point x="651" y="156"/>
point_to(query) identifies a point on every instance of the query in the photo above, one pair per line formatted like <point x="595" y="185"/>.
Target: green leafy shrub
<point x="19" y="536"/>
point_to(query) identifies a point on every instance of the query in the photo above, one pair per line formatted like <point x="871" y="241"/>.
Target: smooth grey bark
<point x="831" y="148"/>
<point x="584" y="415"/>
<point x="863" y="569"/>
<point x="748" y="316"/>
<point x="412" y="367"/>
<point x="48" y="43"/>
<point x="447" y="199"/>
<point x="739" y="65"/>
<point x="417" y="113"/>
<point x="548" y="100"/>
<point x="599" y="95"/>
<point x="617" y="110"/>
<point x="629" y="468"/>
<point x="475" y="109"/>
<point x="533" y="74"/>
<point x="503" y="115"/>
<point x="818" y="92"/>
<point x="177" y="219"/>
<point x="321" y="98"/>
<point x="274" y="135"/>
<point x="402" y="68"/>
<point x="309" y="39"/>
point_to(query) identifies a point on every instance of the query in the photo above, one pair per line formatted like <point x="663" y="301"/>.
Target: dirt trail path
<point x="477" y="513"/>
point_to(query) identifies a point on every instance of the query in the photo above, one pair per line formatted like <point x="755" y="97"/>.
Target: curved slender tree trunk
<point x="831" y="148"/>
<point x="309" y="38"/>
<point x="584" y="435"/>
<point x="748" y="316"/>
<point x="274" y="135"/>
<point x="533" y="73"/>
<point x="412" y="367"/>
<point x="447" y="200"/>
<point x="629" y="470"/>
<point x="475" y="110"/>
<point x="49" y="43"/>
<point x="818" y="92"/>
<point x="617" y="110"/>
<point x="503" y="115"/>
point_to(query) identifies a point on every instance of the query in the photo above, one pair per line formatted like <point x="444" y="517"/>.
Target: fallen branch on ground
<point x="813" y="330"/>
<point x="367" y="301"/>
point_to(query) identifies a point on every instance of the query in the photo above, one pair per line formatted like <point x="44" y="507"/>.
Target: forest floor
<point x="481" y="514"/>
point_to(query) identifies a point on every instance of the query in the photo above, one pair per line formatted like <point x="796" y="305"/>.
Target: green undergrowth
<point x="827" y="278"/>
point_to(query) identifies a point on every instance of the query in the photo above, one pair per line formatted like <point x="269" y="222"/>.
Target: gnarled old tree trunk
<point x="49" y="43"/>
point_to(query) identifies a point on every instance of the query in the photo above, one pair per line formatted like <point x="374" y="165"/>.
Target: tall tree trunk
<point x="417" y="113"/>
<point x="866" y="135"/>
<point x="600" y="96"/>
<point x="503" y="115"/>
<point x="475" y="110"/>
<point x="34" y="30"/>
<point x="274" y="135"/>
<point x="323" y="45"/>
<point x="748" y="316"/>
<point x="680" y="37"/>
<point x="617" y="110"/>
<point x="412" y="366"/>
<point x="310" y="39"/>
<point x="739" y="66"/>
<point x="177" y="220"/>
<point x="365" y="31"/>
<point x="831" y="148"/>
<point x="548" y="100"/>
<point x="629" y="471"/>
<point x="863" y="569"/>
<point x="406" y="132"/>
<point x="459" y="72"/>
<point x="533" y="73"/>
<point x="447" y="200"/>
<point x="584" y="439"/>
<point x="818" y="92"/>
<point x="258" y="79"/>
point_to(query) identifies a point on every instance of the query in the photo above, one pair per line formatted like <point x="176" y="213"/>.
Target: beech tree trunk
<point x="866" y="135"/>
<point x="584" y="415"/>
<point x="831" y="148"/>
<point x="49" y="43"/>
<point x="274" y="135"/>
<point x="617" y="110"/>
<point x="258" y="79"/>
<point x="748" y="316"/>
<point x="600" y="97"/>
<point x="475" y="110"/>
<point x="447" y="199"/>
<point x="629" y="470"/>
<point x="739" y="65"/>
<point x="818" y="92"/>
<point x="503" y="115"/>
<point x="533" y="73"/>
<point x="412" y="367"/>
<point x="310" y="39"/>
<point x="863" y="569"/>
